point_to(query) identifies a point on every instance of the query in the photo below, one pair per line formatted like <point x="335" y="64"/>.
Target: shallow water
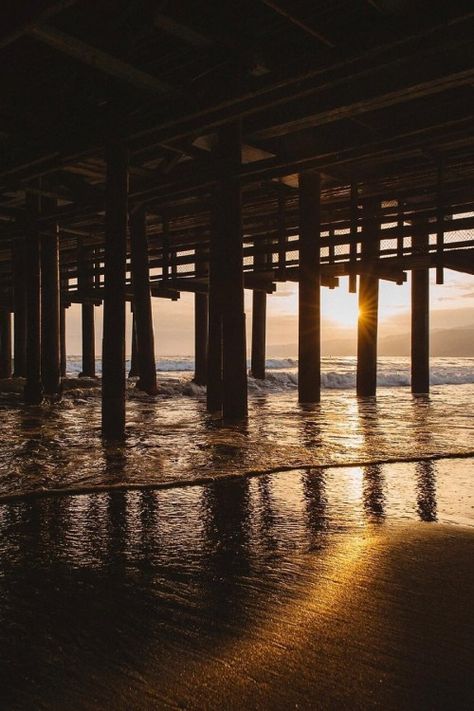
<point x="172" y="439"/>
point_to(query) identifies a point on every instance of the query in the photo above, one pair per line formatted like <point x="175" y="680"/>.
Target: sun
<point x="339" y="306"/>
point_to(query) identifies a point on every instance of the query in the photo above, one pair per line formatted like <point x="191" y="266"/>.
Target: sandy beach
<point x="228" y="596"/>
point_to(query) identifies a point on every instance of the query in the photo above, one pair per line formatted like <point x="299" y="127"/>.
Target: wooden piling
<point x="142" y="309"/>
<point x="5" y="343"/>
<point x="134" y="369"/>
<point x="113" y="345"/>
<point x="86" y="287"/>
<point x="62" y="340"/>
<point x="229" y="230"/>
<point x="259" y="316"/>
<point x="201" y="307"/>
<point x="309" y="292"/>
<point x="50" y="304"/>
<point x="420" y="311"/>
<point x="368" y="305"/>
<point x="19" y="306"/>
<point x="214" y="355"/>
<point x="33" y="392"/>
<point x="88" y="341"/>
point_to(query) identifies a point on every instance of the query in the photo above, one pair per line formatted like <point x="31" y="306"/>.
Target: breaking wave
<point x="174" y="374"/>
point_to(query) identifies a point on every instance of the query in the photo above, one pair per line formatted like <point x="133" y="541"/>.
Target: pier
<point x="181" y="152"/>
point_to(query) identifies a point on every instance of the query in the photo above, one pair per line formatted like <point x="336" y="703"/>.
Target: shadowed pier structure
<point x="149" y="154"/>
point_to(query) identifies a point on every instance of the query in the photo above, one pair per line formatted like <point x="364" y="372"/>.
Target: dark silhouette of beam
<point x="420" y="320"/>
<point x="142" y="309"/>
<point x="33" y="392"/>
<point x="368" y="307"/>
<point x="309" y="292"/>
<point x="113" y="353"/>
<point x="229" y="230"/>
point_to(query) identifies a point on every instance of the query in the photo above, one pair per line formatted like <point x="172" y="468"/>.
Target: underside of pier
<point x="150" y="149"/>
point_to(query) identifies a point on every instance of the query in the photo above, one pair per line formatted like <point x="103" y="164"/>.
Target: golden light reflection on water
<point x="175" y="441"/>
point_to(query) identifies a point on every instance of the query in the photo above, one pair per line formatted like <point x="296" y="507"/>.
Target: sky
<point x="451" y="306"/>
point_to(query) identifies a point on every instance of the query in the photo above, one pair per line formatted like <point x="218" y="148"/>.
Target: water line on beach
<point x="203" y="481"/>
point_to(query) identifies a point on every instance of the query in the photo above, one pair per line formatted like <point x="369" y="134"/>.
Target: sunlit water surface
<point x="172" y="439"/>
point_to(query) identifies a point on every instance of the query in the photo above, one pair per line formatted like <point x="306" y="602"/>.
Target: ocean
<point x="173" y="441"/>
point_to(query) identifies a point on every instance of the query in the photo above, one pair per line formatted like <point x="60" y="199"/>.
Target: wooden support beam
<point x="420" y="314"/>
<point x="134" y="371"/>
<point x="354" y="225"/>
<point x="368" y="307"/>
<point x="440" y="220"/>
<point x="259" y="317"/>
<point x="23" y="16"/>
<point x="181" y="31"/>
<point x="85" y="284"/>
<point x="19" y="305"/>
<point x="298" y="23"/>
<point x="142" y="309"/>
<point x="33" y="392"/>
<point x="229" y="230"/>
<point x="50" y="298"/>
<point x="366" y="102"/>
<point x="5" y="343"/>
<point x="113" y="353"/>
<point x="98" y="59"/>
<point x="309" y="292"/>
<point x="214" y="356"/>
<point x="377" y="269"/>
<point x="458" y="262"/>
<point x="201" y="325"/>
<point x="62" y="342"/>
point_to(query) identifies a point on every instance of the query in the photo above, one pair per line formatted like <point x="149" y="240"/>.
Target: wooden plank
<point x="27" y="14"/>
<point x="298" y="23"/>
<point x="98" y="59"/>
<point x="183" y="32"/>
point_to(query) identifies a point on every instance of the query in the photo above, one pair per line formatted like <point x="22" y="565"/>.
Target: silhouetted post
<point x="33" y="392"/>
<point x="420" y="320"/>
<point x="368" y="305"/>
<point x="201" y="306"/>
<point x="113" y="345"/>
<point x="134" y="371"/>
<point x="229" y="232"/>
<point x="142" y="310"/>
<point x="309" y="293"/>
<point x="88" y="341"/>
<point x="50" y="300"/>
<point x="62" y="339"/>
<point x="259" y="317"/>
<point x="19" y="306"/>
<point x="214" y="355"/>
<point x="86" y="287"/>
<point x="5" y="343"/>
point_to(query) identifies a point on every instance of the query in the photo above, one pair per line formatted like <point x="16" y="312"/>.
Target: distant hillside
<point x="450" y="342"/>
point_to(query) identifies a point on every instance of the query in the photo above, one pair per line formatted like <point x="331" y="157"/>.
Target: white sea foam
<point x="174" y="374"/>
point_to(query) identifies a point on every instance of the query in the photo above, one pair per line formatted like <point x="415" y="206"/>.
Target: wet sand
<point x="232" y="596"/>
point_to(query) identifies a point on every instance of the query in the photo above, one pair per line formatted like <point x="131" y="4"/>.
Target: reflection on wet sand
<point x="426" y="490"/>
<point x="254" y="593"/>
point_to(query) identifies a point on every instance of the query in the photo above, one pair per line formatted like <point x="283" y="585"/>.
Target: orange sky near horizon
<point x="451" y="306"/>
